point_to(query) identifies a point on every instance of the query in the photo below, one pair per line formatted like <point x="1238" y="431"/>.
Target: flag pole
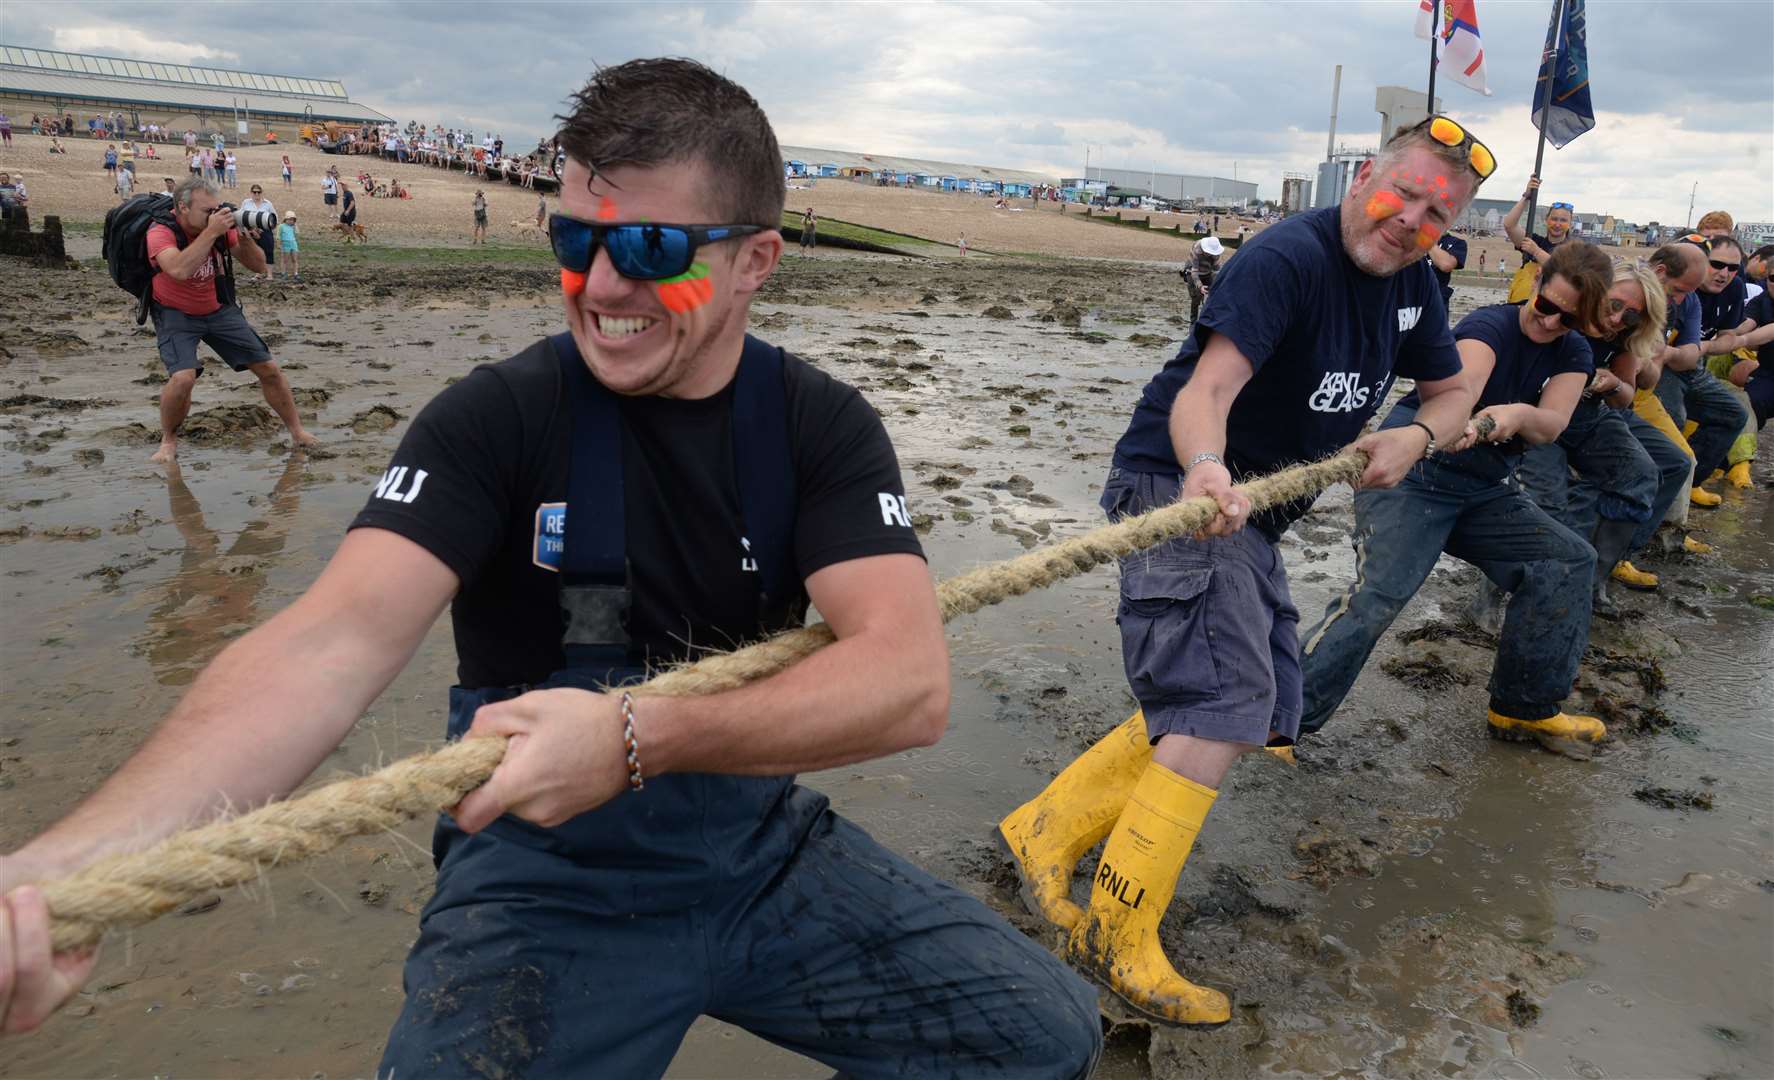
<point x="1434" y="39"/>
<point x="1548" y="71"/>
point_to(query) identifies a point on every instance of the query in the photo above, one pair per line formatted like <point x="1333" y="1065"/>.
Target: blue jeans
<point x="1673" y="467"/>
<point x="589" y="949"/>
<point x="1616" y="479"/>
<point x="1462" y="504"/>
<point x="1698" y="395"/>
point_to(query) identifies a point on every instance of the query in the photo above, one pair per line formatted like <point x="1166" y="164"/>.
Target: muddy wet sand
<point x="1413" y="900"/>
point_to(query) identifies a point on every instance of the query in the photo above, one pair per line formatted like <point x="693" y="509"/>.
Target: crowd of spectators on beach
<point x="487" y="157"/>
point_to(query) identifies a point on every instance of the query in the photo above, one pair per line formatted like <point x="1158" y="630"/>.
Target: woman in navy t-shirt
<point x="1535" y="367"/>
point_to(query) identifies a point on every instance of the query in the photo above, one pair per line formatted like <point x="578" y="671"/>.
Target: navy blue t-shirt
<point x="1456" y="247"/>
<point x="1523" y="366"/>
<point x="1683" y="324"/>
<point x="1722" y="310"/>
<point x="1761" y="309"/>
<point x="1324" y="340"/>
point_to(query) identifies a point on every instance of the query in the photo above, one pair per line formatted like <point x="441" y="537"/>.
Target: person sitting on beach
<point x="56" y="147"/>
<point x="1534" y="364"/>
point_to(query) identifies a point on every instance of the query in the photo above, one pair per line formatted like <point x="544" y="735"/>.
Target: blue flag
<point x="1566" y="73"/>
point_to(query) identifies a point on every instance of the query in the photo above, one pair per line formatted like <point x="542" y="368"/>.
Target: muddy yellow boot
<point x="1739" y="476"/>
<point x="1634" y="578"/>
<point x="1049" y="834"/>
<point x="1284" y="753"/>
<point x="1695" y="547"/>
<point x="1689" y="427"/>
<point x="1703" y="498"/>
<point x="1561" y="733"/>
<point x="1117" y="940"/>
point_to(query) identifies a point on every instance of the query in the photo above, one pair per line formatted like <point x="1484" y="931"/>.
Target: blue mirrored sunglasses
<point x="1561" y="206"/>
<point x="644" y="251"/>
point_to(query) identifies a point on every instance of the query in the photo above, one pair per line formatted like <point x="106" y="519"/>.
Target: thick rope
<point x="130" y="889"/>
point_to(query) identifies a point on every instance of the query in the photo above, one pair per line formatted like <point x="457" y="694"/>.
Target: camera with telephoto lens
<point x="250" y="220"/>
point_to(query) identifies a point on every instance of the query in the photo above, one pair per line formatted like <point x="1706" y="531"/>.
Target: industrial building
<point x="174" y="95"/>
<point x="812" y="162"/>
<point x="1179" y="188"/>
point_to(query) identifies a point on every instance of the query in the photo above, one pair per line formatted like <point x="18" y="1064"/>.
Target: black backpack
<point x="124" y="246"/>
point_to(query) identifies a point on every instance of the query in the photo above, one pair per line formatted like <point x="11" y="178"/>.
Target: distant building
<point x="1755" y="234"/>
<point x="1179" y="188"/>
<point x="1400" y="107"/>
<point x="175" y="95"/>
<point x="1296" y="193"/>
<point x="1335" y="175"/>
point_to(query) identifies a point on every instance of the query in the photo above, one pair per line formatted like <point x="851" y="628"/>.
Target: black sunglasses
<point x="644" y="251"/>
<point x="1717" y="265"/>
<point x="1629" y="316"/>
<point x="1568" y="319"/>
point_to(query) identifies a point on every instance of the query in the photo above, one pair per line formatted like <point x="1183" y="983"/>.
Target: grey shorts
<point x="1209" y="633"/>
<point x="226" y="331"/>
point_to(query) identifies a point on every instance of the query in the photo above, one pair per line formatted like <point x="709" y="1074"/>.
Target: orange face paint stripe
<point x="606" y="209"/>
<point x="688" y="291"/>
<point x="572" y="283"/>
<point x="1383" y="205"/>
<point x="1426" y="236"/>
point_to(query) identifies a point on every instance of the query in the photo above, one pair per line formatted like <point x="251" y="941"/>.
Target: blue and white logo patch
<point x="548" y="548"/>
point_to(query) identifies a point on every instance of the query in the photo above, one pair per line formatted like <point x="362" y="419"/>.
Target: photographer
<point x="188" y="308"/>
<point x="265" y="238"/>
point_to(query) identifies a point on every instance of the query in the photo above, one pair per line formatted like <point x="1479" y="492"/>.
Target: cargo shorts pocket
<point x="1166" y="641"/>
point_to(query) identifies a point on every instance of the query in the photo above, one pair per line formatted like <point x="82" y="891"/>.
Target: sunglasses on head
<point x="642" y="251"/>
<point x="1697" y="240"/>
<point x="1718" y="265"/>
<point x="1449" y="133"/>
<point x="1561" y="206"/>
<point x="1569" y="320"/>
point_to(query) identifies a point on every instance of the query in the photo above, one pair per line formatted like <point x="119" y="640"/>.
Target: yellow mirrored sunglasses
<point x="1449" y="133"/>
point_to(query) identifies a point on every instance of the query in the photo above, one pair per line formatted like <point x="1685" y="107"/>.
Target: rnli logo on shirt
<point x="548" y="548"/>
<point x="893" y="509"/>
<point x="1407" y="318"/>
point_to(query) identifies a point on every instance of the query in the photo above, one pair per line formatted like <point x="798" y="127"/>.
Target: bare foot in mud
<point x="168" y="451"/>
<point x="302" y="438"/>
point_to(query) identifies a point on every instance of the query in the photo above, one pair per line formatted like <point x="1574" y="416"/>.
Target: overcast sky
<point x="1199" y="87"/>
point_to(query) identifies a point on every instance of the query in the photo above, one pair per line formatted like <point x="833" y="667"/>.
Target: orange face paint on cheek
<point x="1427" y="236"/>
<point x="606" y="209"/>
<point x="572" y="283"/>
<point x="1383" y="205"/>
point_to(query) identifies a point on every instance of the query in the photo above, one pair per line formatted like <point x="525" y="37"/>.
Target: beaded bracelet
<point x="631" y="744"/>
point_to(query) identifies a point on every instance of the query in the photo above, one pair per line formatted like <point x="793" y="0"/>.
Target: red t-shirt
<point x="196" y="295"/>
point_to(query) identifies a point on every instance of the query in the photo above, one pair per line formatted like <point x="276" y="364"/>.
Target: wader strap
<point x="766" y="472"/>
<point x="594" y="596"/>
<point x="594" y="581"/>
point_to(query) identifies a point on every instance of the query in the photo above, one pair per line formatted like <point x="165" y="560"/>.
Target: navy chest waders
<point x="664" y="847"/>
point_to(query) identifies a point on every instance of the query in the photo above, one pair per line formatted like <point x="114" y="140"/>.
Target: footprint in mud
<point x="375" y="418"/>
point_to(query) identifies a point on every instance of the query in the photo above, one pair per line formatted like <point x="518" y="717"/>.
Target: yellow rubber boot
<point x="1284" y="753"/>
<point x="1117" y="940"/>
<point x="1739" y="476"/>
<point x="1634" y="578"/>
<point x="1689" y="427"/>
<point x="1049" y="834"/>
<point x="1703" y="498"/>
<point x="1562" y="733"/>
<point x="1695" y="547"/>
